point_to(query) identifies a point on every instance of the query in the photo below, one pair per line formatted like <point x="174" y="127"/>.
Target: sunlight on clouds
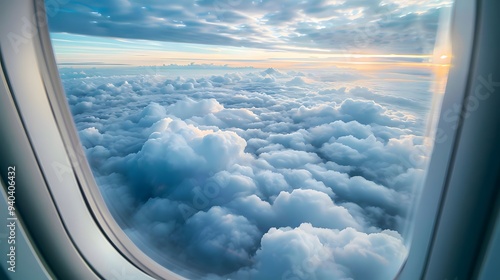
<point x="138" y="52"/>
<point x="257" y="139"/>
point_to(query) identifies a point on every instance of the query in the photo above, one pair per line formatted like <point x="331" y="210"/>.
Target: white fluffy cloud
<point x="188" y="108"/>
<point x="254" y="174"/>
<point x="308" y="252"/>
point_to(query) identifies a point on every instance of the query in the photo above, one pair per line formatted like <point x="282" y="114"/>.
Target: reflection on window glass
<point x="257" y="139"/>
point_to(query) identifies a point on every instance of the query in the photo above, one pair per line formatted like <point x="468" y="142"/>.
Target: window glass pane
<point x="257" y="139"/>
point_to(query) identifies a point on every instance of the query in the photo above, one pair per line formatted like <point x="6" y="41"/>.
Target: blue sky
<point x="145" y="32"/>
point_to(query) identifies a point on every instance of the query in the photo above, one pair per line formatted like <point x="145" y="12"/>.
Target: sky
<point x="238" y="32"/>
<point x="257" y="139"/>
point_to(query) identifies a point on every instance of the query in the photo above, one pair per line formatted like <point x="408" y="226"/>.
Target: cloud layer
<point x="256" y="174"/>
<point x="351" y="26"/>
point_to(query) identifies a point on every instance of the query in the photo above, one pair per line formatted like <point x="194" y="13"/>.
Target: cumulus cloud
<point x="188" y="108"/>
<point x="311" y="206"/>
<point x="230" y="237"/>
<point x="258" y="174"/>
<point x="308" y="252"/>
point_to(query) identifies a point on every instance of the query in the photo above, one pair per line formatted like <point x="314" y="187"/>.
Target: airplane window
<point x="262" y="139"/>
